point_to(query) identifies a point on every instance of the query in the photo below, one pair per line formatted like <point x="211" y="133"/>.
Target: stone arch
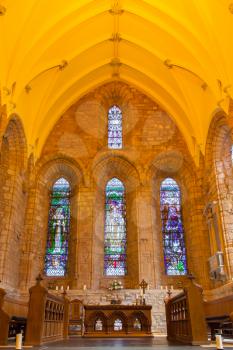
<point x="114" y="165"/>
<point x="15" y="139"/>
<point x="219" y="131"/>
<point x="12" y="199"/>
<point x="91" y="322"/>
<point x="113" y="317"/>
<point x="51" y="168"/>
<point x="104" y="170"/>
<point x="218" y="184"/>
<point x="145" y="323"/>
<point x="47" y="172"/>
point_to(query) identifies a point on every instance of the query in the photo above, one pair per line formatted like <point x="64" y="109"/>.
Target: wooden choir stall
<point x="117" y="320"/>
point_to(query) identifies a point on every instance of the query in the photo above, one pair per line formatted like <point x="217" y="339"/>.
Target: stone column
<point x="85" y="237"/>
<point x="148" y="246"/>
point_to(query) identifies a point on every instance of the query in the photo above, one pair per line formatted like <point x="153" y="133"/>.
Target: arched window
<point x="115" y="229"/>
<point x="58" y="229"/>
<point x="98" y="325"/>
<point x="114" y="128"/>
<point x="137" y="325"/>
<point x="172" y="228"/>
<point x="118" y="325"/>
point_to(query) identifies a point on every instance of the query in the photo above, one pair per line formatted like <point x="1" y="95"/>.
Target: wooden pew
<point x="48" y="316"/>
<point x="11" y="324"/>
<point x="4" y="320"/>
<point x="185" y="316"/>
<point x="219" y="315"/>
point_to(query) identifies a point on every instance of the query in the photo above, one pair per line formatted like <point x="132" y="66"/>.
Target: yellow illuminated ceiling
<point x="178" y="52"/>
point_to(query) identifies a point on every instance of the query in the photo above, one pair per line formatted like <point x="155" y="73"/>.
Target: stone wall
<point x="153" y="149"/>
<point x="76" y="148"/>
<point x="12" y="200"/>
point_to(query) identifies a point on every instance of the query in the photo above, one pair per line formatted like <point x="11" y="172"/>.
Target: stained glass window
<point x="232" y="154"/>
<point x="172" y="228"/>
<point x="114" y="128"/>
<point x="115" y="229"/>
<point x="98" y="325"/>
<point x="137" y="325"/>
<point x="58" y="229"/>
<point x="118" y="325"/>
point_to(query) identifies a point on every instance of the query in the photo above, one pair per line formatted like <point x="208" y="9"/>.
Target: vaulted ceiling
<point x="178" y="52"/>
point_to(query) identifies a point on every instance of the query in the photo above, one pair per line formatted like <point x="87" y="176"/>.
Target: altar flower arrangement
<point x="115" y="285"/>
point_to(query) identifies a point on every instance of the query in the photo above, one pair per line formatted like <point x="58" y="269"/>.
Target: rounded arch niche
<point x="106" y="169"/>
<point x="12" y="198"/>
<point x="48" y="173"/>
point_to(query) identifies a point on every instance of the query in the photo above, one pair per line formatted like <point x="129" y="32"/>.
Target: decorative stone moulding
<point x="170" y="161"/>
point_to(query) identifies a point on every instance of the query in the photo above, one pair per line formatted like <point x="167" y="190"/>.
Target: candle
<point x="141" y="292"/>
<point x="84" y="287"/>
<point x="171" y="287"/>
<point x="166" y="287"/>
<point x="62" y="288"/>
<point x="161" y="287"/>
<point x="56" y="287"/>
<point x="68" y="287"/>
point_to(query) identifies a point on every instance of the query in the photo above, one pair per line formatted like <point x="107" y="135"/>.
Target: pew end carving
<point x="185" y="316"/>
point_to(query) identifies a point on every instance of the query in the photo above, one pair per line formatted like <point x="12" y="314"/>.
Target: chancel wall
<point x="77" y="149"/>
<point x="153" y="149"/>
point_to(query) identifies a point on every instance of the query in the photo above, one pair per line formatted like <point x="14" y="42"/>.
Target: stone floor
<point x="156" y="343"/>
<point x="118" y="344"/>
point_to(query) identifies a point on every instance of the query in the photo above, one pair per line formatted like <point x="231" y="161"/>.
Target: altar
<point x="117" y="321"/>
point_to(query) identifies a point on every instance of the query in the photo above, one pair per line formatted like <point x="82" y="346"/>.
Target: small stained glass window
<point x="118" y="325"/>
<point x="98" y="325"/>
<point x="232" y="154"/>
<point x="58" y="229"/>
<point x="137" y="324"/>
<point x="114" y="128"/>
<point x="115" y="229"/>
<point x="172" y="228"/>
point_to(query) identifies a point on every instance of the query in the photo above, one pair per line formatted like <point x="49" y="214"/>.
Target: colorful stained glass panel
<point x="58" y="229"/>
<point x="115" y="229"/>
<point x="114" y="128"/>
<point x="172" y="228"/>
